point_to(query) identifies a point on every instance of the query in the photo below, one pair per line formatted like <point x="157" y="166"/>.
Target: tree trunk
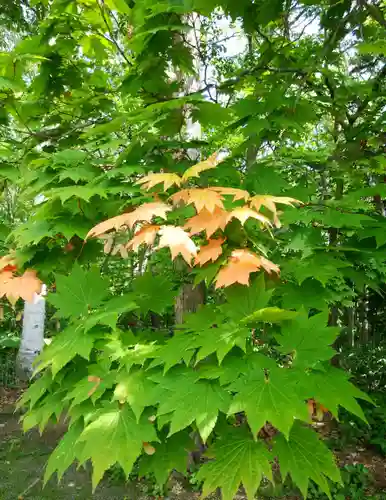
<point x="188" y="300"/>
<point x="32" y="338"/>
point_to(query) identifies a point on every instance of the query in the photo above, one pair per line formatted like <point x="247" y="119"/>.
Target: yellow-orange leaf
<point x="96" y="380"/>
<point x="200" y="197"/>
<point x="269" y="266"/>
<point x="8" y="261"/>
<point x="238" y="194"/>
<point x="148" y="449"/>
<point x="207" y="221"/>
<point x="143" y="213"/>
<point x="211" y="251"/>
<point x="145" y="236"/>
<point x="166" y="179"/>
<point x="270" y="202"/>
<point x="240" y="265"/>
<point x="207" y="164"/>
<point x="182" y="195"/>
<point x="15" y="287"/>
<point x="244" y="213"/>
<point x="178" y="241"/>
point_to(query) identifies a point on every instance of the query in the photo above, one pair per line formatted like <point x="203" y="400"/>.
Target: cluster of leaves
<point x="211" y="217"/>
<point x="94" y="107"/>
<point x="132" y="393"/>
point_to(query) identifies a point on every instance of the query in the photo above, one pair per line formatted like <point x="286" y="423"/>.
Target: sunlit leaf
<point x="166" y="179"/>
<point x="178" y="241"/>
<point x="211" y="162"/>
<point x="144" y="213"/>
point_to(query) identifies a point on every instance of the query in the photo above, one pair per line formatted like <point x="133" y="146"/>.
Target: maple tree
<point x="276" y="210"/>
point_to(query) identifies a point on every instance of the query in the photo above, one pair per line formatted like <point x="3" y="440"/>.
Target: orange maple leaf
<point x="240" y="265"/>
<point x="178" y="241"/>
<point x="200" y="197"/>
<point x="238" y="194"/>
<point x="211" y="251"/>
<point x="145" y="236"/>
<point x="166" y="179"/>
<point x="15" y="287"/>
<point x="195" y="170"/>
<point x="244" y="213"/>
<point x="270" y="202"/>
<point x="207" y="221"/>
<point x="143" y="213"/>
<point x="7" y="263"/>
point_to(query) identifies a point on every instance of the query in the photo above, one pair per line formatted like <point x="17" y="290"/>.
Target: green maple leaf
<point x="50" y="405"/>
<point x="378" y="233"/>
<point x="35" y="391"/>
<point x="270" y="315"/>
<point x="135" y="388"/>
<point x="115" y="436"/>
<point x="90" y="388"/>
<point x="309" y="340"/>
<point x="66" y="345"/>
<point x="332" y="388"/>
<point x="244" y="301"/>
<point x="304" y="456"/>
<point x="310" y="294"/>
<point x="109" y="312"/>
<point x="79" y="292"/>
<point x="190" y="400"/>
<point x="137" y="355"/>
<point x="272" y="398"/>
<point x="318" y="266"/>
<point x="220" y="340"/>
<point x="33" y="232"/>
<point x="69" y="157"/>
<point x="78" y="173"/>
<point x="238" y="458"/>
<point x="153" y="293"/>
<point x="71" y="226"/>
<point x="338" y="219"/>
<point x="206" y="317"/>
<point x="234" y="366"/>
<point x="83" y="192"/>
<point x="171" y="454"/>
<point x="180" y="347"/>
<point x="65" y="453"/>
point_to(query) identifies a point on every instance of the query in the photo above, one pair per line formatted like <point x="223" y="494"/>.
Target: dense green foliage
<point x="96" y="94"/>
